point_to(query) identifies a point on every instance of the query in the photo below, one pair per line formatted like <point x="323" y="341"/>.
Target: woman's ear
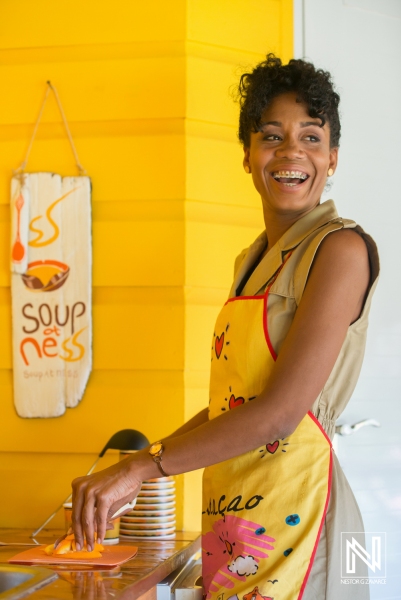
<point x="245" y="162"/>
<point x="333" y="160"/>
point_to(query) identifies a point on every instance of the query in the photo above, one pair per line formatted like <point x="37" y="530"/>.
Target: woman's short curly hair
<point x="270" y="78"/>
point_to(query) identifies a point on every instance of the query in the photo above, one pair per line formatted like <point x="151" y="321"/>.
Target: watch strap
<point x="158" y="461"/>
<point x="157" y="457"/>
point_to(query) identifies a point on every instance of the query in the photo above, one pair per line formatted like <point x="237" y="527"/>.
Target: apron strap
<point x="277" y="273"/>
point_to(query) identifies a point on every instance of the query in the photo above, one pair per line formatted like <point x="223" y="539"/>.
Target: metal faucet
<point x="347" y="429"/>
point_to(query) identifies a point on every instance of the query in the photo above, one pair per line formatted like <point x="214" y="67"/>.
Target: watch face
<point x="156" y="448"/>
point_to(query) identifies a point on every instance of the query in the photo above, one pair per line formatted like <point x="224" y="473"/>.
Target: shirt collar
<point x="319" y="216"/>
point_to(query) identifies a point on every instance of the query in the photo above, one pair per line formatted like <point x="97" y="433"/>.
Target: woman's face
<point x="289" y="158"/>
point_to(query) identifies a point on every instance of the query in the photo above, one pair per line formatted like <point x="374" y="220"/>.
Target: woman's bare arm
<point x="332" y="300"/>
<point x="200" y="418"/>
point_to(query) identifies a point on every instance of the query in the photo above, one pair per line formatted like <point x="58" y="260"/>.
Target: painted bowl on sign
<point x="45" y="275"/>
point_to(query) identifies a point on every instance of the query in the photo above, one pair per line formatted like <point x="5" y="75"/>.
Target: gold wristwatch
<point x="156" y="450"/>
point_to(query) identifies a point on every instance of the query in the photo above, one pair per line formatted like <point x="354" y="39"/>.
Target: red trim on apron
<point x="243" y="298"/>
<point x="312" y="558"/>
<point x="265" y="309"/>
<point x="330" y="474"/>
<point x="266" y="326"/>
<point x="312" y="416"/>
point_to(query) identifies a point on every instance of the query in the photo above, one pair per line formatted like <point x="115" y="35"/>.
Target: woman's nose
<point x="289" y="148"/>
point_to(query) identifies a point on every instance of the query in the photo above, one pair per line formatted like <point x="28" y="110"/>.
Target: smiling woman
<point x="287" y="349"/>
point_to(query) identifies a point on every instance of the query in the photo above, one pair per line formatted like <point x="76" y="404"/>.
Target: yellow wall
<point x="145" y="87"/>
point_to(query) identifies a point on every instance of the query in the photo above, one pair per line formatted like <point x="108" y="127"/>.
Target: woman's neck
<point x="277" y="224"/>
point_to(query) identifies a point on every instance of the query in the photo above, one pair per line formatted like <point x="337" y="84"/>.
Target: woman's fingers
<point x="90" y="514"/>
<point x="102" y="514"/>
<point x="78" y="499"/>
<point x="88" y="518"/>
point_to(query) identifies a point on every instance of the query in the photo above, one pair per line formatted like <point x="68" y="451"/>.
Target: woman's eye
<point x="312" y="138"/>
<point x="272" y="137"/>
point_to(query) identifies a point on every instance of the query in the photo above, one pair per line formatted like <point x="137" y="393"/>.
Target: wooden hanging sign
<point x="51" y="285"/>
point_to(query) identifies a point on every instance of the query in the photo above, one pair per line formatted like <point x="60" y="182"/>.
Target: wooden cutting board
<point x="111" y="557"/>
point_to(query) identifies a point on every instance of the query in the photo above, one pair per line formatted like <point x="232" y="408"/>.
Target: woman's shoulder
<point x="351" y="244"/>
<point x="345" y="252"/>
<point x="344" y="243"/>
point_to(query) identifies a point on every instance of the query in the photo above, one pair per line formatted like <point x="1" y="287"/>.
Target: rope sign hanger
<point x="51" y="88"/>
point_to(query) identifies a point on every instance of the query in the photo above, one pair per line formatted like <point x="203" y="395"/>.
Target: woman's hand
<point x="95" y="499"/>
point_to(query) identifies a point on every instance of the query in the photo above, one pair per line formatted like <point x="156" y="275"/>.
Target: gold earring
<point x="247" y="169"/>
<point x="330" y="172"/>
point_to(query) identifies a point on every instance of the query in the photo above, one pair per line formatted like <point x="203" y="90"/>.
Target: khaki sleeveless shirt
<point x="303" y="240"/>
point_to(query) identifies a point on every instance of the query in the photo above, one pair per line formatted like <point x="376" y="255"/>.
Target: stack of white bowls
<point x="153" y="516"/>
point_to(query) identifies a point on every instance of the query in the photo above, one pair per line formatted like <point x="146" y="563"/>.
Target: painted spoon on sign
<point x="18" y="251"/>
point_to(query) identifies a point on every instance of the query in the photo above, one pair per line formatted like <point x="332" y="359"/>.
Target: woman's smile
<point x="290" y="178"/>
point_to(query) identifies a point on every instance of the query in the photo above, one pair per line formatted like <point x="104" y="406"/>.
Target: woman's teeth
<point x="290" y="178"/>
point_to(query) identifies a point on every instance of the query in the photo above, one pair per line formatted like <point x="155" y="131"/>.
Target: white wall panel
<point x="359" y="42"/>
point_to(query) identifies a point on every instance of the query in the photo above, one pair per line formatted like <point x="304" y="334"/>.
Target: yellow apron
<point x="262" y="511"/>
